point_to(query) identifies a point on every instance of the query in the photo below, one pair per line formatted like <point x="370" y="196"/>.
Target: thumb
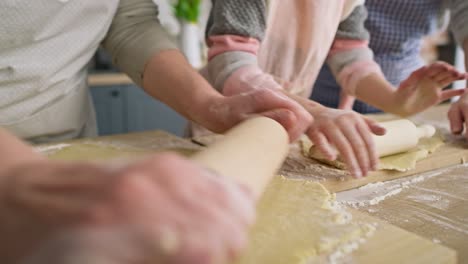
<point x="289" y="121"/>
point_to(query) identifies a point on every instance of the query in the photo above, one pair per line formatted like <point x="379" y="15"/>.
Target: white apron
<point x="298" y="39"/>
<point x="45" y="46"/>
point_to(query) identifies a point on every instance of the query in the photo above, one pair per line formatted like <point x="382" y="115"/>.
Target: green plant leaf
<point x="188" y="10"/>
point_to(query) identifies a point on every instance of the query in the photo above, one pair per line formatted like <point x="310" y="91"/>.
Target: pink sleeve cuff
<point x="350" y="76"/>
<point x="224" y="43"/>
<point x="340" y="45"/>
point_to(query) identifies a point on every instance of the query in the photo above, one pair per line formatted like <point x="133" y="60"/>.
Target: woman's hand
<point x="249" y="91"/>
<point x="168" y="209"/>
<point x="228" y="111"/>
<point x="424" y="88"/>
<point x="421" y="90"/>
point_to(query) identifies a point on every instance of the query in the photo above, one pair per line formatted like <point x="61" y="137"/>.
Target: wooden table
<point x="435" y="209"/>
<point x="433" y="202"/>
<point x="106" y="79"/>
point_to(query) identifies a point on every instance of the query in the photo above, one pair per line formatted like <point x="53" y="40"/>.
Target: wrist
<point x="386" y="99"/>
<point x="397" y="105"/>
<point x="314" y="108"/>
<point x="311" y="106"/>
<point x="202" y="112"/>
<point x="169" y="78"/>
<point x="14" y="152"/>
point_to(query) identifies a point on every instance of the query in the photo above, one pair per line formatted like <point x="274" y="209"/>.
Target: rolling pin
<point x="249" y="153"/>
<point x="402" y="135"/>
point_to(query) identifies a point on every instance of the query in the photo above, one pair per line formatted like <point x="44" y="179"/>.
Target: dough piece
<point x="93" y="152"/>
<point x="404" y="161"/>
<point x="104" y="152"/>
<point x="299" y="222"/>
<point x="398" y="162"/>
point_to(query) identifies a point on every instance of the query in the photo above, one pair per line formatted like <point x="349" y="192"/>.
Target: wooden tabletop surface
<point x="433" y="204"/>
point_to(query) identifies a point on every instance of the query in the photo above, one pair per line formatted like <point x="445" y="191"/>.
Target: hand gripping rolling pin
<point x="250" y="154"/>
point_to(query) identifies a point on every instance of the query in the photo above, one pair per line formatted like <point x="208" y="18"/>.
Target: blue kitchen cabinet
<point x="109" y="104"/>
<point x="126" y="108"/>
<point x="145" y="113"/>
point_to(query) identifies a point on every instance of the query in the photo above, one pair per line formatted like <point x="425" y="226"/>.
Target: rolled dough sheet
<point x="104" y="151"/>
<point x="299" y="222"/>
<point x="398" y="162"/>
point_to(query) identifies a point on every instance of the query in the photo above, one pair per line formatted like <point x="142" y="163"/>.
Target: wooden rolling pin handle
<point x="426" y="131"/>
<point x="249" y="153"/>
<point x="402" y="135"/>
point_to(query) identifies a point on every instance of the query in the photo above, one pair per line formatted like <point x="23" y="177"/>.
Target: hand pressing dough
<point x="298" y="222"/>
<point x="398" y="162"/>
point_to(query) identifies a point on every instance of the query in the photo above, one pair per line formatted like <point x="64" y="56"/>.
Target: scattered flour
<point x="50" y="148"/>
<point x="374" y="193"/>
<point x="344" y="250"/>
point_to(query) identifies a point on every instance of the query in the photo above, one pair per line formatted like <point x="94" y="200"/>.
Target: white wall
<point x="460" y="64"/>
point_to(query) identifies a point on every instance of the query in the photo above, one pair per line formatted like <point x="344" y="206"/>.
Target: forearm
<point x="375" y="90"/>
<point x="14" y="151"/>
<point x="169" y="78"/>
